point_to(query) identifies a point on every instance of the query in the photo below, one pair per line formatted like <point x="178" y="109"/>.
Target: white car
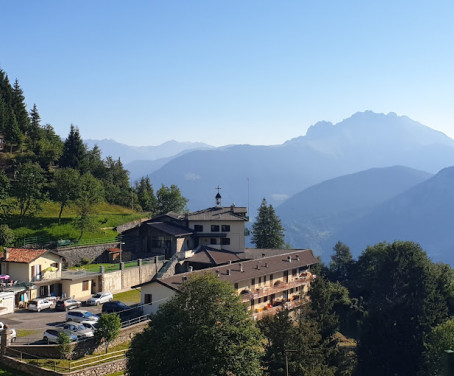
<point x="90" y="325"/>
<point x="79" y="315"/>
<point x="13" y="332"/>
<point x="100" y="298"/>
<point x="39" y="304"/>
<point x="51" y="336"/>
<point x="78" y="330"/>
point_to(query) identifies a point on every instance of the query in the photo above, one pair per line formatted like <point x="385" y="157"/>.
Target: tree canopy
<point x="267" y="230"/>
<point x="203" y="330"/>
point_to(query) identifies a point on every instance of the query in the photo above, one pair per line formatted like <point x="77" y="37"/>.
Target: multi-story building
<point x="262" y="283"/>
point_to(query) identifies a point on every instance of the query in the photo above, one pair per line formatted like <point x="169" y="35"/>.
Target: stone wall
<point x="87" y="347"/>
<point x="129" y="225"/>
<point x="94" y="253"/>
<point x="102" y="369"/>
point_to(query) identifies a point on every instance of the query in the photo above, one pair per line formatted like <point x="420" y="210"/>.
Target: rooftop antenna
<point x="218" y="197"/>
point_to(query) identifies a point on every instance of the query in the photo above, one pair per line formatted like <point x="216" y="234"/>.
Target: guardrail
<point x="67" y="365"/>
<point x="137" y="320"/>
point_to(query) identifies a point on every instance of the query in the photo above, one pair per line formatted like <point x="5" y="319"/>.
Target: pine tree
<point x="267" y="230"/>
<point x="12" y="133"/>
<point x="74" y="150"/>
<point x="20" y="108"/>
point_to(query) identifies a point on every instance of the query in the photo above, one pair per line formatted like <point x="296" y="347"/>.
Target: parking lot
<point x="37" y="322"/>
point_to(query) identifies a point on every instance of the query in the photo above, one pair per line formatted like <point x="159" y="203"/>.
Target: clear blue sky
<point x="223" y="72"/>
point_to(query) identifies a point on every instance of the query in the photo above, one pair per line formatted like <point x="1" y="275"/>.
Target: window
<point x="260" y="300"/>
<point x="264" y="279"/>
<point x="198" y="228"/>
<point x="265" y="299"/>
<point x="213" y="241"/>
<point x="260" y="280"/>
<point x="236" y="286"/>
<point x="85" y="285"/>
<point x="294" y="271"/>
<point x="225" y="241"/>
<point x="225" y="228"/>
<point x="147" y="299"/>
<point x="214" y="228"/>
<point x="253" y="282"/>
<point x="271" y="278"/>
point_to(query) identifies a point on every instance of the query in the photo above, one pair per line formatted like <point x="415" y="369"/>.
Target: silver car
<point x="79" y="315"/>
<point x="78" y="330"/>
<point x="100" y="298"/>
<point x="51" y="336"/>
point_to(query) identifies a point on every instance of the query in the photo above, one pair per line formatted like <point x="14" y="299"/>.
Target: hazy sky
<point x="223" y="72"/>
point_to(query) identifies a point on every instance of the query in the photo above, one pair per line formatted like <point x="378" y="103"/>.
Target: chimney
<point x="258" y="266"/>
<point x="241" y="267"/>
<point x="263" y="255"/>
<point x="190" y="268"/>
<point x="218" y="273"/>
<point x="228" y="271"/>
<point x="289" y="258"/>
<point x="266" y="264"/>
<point x="230" y="262"/>
<point x="297" y="257"/>
<point x="6" y="253"/>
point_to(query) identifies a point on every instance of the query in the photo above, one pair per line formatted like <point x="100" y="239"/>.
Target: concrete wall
<point x="98" y="253"/>
<point x="124" y="279"/>
<point x="129" y="225"/>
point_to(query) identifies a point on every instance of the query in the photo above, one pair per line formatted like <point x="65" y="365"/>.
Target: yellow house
<point x="38" y="273"/>
<point x="265" y="284"/>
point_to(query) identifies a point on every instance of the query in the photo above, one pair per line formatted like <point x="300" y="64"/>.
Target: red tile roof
<point x="23" y="255"/>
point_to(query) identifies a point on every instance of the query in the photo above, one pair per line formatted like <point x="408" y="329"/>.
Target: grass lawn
<point x="44" y="224"/>
<point x="26" y="332"/>
<point x="129" y="297"/>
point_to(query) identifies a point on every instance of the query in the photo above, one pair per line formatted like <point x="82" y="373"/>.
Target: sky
<point x="227" y="72"/>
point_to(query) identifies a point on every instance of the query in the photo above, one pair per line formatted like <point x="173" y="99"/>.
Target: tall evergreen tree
<point x="12" y="133"/>
<point x="74" y="150"/>
<point x="20" y="108"/>
<point x="267" y="230"/>
<point x="35" y="126"/>
<point x="170" y="199"/>
<point x="145" y="195"/>
<point x="341" y="263"/>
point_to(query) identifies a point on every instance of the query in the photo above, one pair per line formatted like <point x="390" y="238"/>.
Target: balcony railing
<point x="46" y="276"/>
<point x="276" y="288"/>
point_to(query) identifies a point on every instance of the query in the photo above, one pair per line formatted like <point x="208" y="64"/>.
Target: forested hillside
<point x="37" y="166"/>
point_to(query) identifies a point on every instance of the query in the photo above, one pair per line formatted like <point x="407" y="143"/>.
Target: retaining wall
<point x="94" y="253"/>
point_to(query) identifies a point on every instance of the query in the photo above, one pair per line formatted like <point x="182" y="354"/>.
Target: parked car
<point x="125" y="312"/>
<point x="67" y="304"/>
<point x="78" y="330"/>
<point x="51" y="336"/>
<point x="79" y="316"/>
<point x="100" y="298"/>
<point x="90" y="325"/>
<point x="39" y="304"/>
<point x="13" y="332"/>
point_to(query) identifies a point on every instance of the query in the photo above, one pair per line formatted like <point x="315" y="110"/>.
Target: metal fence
<point x="50" y="242"/>
<point x="67" y="365"/>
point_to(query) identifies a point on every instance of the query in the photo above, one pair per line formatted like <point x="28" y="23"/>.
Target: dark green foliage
<point x="48" y="147"/>
<point x="35" y="126"/>
<point x="203" y="330"/>
<point x="404" y="301"/>
<point x="6" y="236"/>
<point x="64" y="345"/>
<point x="5" y="187"/>
<point x="12" y="133"/>
<point x="341" y="263"/>
<point x="108" y="328"/>
<point x="90" y="192"/>
<point x="116" y="182"/>
<point x="267" y="230"/>
<point x="170" y="199"/>
<point x="19" y="108"/>
<point x="145" y="195"/>
<point x="65" y="188"/>
<point x="74" y="150"/>
<point x="28" y="188"/>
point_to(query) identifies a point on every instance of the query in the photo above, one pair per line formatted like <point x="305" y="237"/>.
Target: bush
<point x="6" y="235"/>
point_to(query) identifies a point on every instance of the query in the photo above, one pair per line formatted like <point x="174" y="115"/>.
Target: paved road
<point x="38" y="321"/>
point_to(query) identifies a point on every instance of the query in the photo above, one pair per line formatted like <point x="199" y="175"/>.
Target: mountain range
<point x="363" y="180"/>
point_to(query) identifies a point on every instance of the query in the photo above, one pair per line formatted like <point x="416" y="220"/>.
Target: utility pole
<point x="286" y="360"/>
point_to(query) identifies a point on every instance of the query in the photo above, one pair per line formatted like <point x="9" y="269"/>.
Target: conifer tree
<point x="35" y="126"/>
<point x="74" y="150"/>
<point x="267" y="230"/>
<point x="12" y="133"/>
<point x="20" y="108"/>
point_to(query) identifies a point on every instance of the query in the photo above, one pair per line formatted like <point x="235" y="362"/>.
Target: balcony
<point x="279" y="286"/>
<point x="273" y="310"/>
<point x="47" y="276"/>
